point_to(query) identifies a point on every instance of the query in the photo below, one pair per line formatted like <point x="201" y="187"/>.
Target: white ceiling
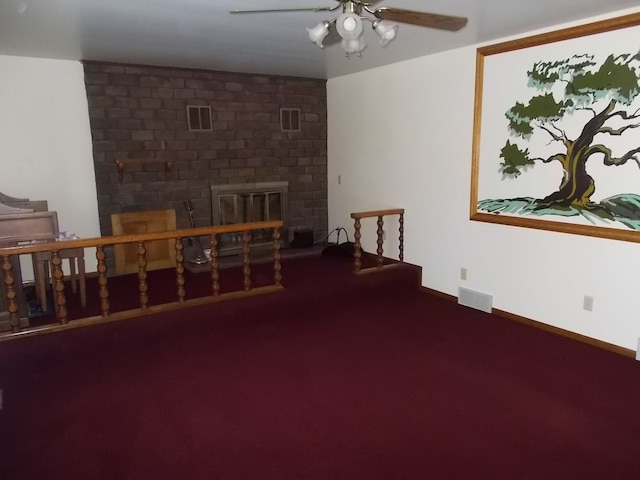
<point x="202" y="34"/>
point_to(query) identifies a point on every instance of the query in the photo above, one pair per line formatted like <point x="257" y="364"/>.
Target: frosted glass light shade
<point x="318" y="33"/>
<point x="353" y="46"/>
<point x="349" y="26"/>
<point x="386" y="31"/>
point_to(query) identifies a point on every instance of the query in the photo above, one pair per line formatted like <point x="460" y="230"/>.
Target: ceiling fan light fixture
<point x="349" y="26"/>
<point x="386" y="31"/>
<point x="318" y="33"/>
<point x="383" y="20"/>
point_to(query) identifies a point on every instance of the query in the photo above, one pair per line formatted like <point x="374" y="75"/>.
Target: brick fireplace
<point x="143" y="117"/>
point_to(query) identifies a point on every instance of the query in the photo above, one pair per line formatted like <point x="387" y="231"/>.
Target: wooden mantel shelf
<point x="120" y="164"/>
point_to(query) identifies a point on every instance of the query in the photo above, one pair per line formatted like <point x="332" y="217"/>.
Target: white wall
<point x="45" y="141"/>
<point x="401" y="136"/>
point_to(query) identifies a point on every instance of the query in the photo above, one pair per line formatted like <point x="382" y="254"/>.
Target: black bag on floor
<point x="344" y="249"/>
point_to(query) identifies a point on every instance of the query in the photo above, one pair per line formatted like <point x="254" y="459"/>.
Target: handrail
<point x="357" y="254"/>
<point x="142" y="237"/>
<point x="6" y="271"/>
<point x="378" y="213"/>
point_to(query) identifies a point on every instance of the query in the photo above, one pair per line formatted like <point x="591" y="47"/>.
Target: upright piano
<point x="22" y="220"/>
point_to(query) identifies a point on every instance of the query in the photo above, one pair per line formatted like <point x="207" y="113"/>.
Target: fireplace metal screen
<point x="247" y="203"/>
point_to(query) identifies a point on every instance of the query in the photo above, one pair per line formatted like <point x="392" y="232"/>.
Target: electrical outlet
<point x="463" y="274"/>
<point x="339" y="179"/>
<point x="588" y="303"/>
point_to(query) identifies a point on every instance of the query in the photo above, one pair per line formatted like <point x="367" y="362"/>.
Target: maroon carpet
<point x="337" y="377"/>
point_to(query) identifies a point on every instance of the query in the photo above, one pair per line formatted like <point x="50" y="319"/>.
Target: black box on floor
<point x="302" y="239"/>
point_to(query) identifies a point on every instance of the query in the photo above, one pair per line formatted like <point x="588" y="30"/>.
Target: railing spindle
<point x="10" y="294"/>
<point x="246" y="269"/>
<point x="357" y="254"/>
<point x="401" y="230"/>
<point x="380" y="241"/>
<point x="142" y="275"/>
<point x="58" y="286"/>
<point x="180" y="269"/>
<point x="277" y="267"/>
<point x="215" y="266"/>
<point x="102" y="281"/>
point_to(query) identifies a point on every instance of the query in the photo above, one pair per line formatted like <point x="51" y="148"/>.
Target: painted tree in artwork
<point x="578" y="105"/>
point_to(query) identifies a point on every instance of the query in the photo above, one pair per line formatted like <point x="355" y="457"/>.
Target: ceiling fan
<point x="349" y="24"/>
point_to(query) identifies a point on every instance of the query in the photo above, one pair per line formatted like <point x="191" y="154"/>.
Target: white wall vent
<point x="473" y="299"/>
<point x="199" y="118"/>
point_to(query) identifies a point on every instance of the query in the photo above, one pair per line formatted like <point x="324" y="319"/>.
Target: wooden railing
<point x="357" y="261"/>
<point x="7" y="274"/>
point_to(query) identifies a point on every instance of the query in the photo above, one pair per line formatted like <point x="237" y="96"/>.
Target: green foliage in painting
<point x="514" y="159"/>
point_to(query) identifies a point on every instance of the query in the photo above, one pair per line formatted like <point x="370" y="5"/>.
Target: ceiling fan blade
<point x="278" y="10"/>
<point x="423" y="19"/>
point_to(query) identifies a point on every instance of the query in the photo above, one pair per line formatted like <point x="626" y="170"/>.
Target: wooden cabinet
<point x="160" y="253"/>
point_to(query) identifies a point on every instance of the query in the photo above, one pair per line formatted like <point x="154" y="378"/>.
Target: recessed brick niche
<point x="139" y="114"/>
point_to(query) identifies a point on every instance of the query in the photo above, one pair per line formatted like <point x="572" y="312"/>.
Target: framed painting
<point x="556" y="139"/>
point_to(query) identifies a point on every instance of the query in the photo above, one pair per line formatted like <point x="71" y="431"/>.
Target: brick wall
<point x="140" y="112"/>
